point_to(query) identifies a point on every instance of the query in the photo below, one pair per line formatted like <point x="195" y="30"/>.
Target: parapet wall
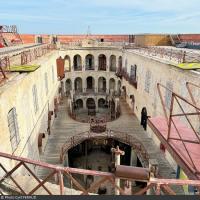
<point x="30" y="38"/>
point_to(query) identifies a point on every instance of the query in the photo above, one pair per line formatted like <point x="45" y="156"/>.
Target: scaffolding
<point x="177" y="131"/>
<point x="9" y="36"/>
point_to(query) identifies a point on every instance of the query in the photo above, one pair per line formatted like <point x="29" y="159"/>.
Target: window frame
<point x="13" y="128"/>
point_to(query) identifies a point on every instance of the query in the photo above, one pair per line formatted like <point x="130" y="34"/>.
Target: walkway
<point x="64" y="127"/>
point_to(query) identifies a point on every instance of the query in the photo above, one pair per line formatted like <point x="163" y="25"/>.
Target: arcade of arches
<point x="90" y="62"/>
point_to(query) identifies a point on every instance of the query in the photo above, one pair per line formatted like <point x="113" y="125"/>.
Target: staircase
<point x="63" y="128"/>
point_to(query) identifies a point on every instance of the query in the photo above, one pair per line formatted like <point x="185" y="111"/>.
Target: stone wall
<point x="160" y="73"/>
<point x="18" y="93"/>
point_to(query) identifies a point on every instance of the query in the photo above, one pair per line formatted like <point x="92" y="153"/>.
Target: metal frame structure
<point x="33" y="54"/>
<point x="190" y="168"/>
<point x="158" y="185"/>
<point x="5" y="29"/>
<point x="189" y="88"/>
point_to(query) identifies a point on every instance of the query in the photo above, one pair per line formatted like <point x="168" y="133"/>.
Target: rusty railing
<point x="158" y="185"/>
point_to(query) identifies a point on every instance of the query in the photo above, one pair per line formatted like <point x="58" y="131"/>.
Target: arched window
<point x="89" y="62"/>
<point x="13" y="128"/>
<point x="102" y="84"/>
<point x="77" y="63"/>
<point x="90" y="83"/>
<point x="102" y="62"/>
<point x="113" y="63"/>
<point x="147" y="81"/>
<point x="78" y="85"/>
<point x="67" y="63"/>
<point x="133" y="72"/>
<point x="35" y="98"/>
<point x="79" y="103"/>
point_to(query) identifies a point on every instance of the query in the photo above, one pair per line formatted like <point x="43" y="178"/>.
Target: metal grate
<point x="13" y="128"/>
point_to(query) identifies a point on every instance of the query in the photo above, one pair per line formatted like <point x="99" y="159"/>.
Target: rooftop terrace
<point x="180" y="57"/>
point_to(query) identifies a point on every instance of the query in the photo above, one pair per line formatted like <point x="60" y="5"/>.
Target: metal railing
<point x="175" y="130"/>
<point x="77" y="68"/>
<point x="158" y="184"/>
<point x="174" y="55"/>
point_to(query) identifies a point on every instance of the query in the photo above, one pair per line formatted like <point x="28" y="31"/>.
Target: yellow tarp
<point x="24" y="68"/>
<point x="184" y="177"/>
<point x="189" y="66"/>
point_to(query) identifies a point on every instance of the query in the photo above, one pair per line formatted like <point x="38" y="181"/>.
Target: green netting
<point x="24" y="68"/>
<point x="189" y="66"/>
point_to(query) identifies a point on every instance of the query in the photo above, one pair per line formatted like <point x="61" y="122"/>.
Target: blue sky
<point x="103" y="16"/>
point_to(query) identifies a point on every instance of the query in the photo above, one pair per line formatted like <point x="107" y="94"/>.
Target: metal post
<point x="117" y="153"/>
<point x="61" y="183"/>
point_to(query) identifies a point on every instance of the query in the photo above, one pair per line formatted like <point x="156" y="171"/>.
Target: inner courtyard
<point x="99" y="116"/>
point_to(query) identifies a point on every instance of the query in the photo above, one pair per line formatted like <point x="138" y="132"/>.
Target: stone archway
<point x="89" y="62"/>
<point x="119" y="87"/>
<point x="90" y="83"/>
<point x="77" y="62"/>
<point x="91" y="106"/>
<point x="68" y="86"/>
<point x="67" y="63"/>
<point x="113" y="63"/>
<point x="112" y="85"/>
<point x="78" y="85"/>
<point x="102" y="62"/>
<point x="135" y="144"/>
<point x="102" y="84"/>
<point x="101" y="103"/>
<point x="79" y="103"/>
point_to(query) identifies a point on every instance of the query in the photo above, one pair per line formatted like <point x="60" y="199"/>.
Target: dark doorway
<point x="102" y="62"/>
<point x="90" y="83"/>
<point x="91" y="106"/>
<point x="89" y="62"/>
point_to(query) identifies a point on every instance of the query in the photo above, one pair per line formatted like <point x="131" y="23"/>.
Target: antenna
<point x="88" y="31"/>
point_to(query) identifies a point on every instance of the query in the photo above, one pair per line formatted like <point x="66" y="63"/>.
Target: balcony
<point x="101" y="91"/>
<point x="133" y="81"/>
<point x="90" y="90"/>
<point x="102" y="68"/>
<point x="89" y="67"/>
<point x="77" y="68"/>
<point x="119" y="73"/>
<point x="78" y="91"/>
